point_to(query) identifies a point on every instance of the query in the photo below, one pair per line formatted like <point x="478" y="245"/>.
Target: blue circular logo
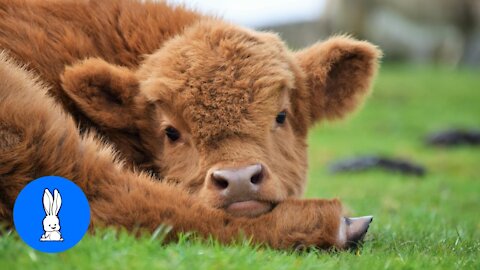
<point x="51" y="214"/>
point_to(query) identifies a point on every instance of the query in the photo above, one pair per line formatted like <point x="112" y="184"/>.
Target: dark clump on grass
<point x="377" y="162"/>
<point x="454" y="137"/>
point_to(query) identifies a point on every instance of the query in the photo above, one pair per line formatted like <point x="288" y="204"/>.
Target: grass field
<point x="423" y="223"/>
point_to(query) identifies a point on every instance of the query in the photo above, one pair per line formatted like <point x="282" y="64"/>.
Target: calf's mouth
<point x="249" y="208"/>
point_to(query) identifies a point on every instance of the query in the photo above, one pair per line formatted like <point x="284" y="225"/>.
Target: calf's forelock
<point x="226" y="81"/>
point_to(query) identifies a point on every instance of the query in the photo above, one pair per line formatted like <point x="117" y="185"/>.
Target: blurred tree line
<point x="444" y="32"/>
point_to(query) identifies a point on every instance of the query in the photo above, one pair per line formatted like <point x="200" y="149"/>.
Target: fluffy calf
<point x="218" y="112"/>
<point x="32" y="124"/>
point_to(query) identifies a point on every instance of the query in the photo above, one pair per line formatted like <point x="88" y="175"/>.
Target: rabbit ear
<point x="47" y="202"/>
<point x="57" y="202"/>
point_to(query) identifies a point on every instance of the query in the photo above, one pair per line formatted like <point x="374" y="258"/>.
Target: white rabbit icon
<point x="51" y="223"/>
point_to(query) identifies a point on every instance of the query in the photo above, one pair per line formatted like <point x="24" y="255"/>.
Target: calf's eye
<point x="281" y="117"/>
<point x="172" y="133"/>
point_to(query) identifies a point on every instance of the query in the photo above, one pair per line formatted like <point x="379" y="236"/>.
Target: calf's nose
<point x="239" y="183"/>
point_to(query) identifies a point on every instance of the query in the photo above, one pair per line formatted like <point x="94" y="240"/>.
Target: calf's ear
<point x="338" y="73"/>
<point x="105" y="93"/>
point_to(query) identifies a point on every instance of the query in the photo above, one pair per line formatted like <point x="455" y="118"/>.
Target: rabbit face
<point x="51" y="224"/>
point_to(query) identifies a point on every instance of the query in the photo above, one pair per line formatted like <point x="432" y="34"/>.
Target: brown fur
<point x="119" y="197"/>
<point x="220" y="85"/>
<point x="49" y="35"/>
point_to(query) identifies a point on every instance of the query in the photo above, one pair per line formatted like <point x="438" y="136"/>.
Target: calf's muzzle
<point x="239" y="187"/>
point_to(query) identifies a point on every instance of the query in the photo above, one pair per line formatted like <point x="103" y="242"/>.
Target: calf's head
<point x="223" y="111"/>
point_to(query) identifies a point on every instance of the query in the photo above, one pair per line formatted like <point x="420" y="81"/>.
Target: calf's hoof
<point x="352" y="231"/>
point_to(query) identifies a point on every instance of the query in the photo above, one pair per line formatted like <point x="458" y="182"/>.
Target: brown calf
<point x="220" y="113"/>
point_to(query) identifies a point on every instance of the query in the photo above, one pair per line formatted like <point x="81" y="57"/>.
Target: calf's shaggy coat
<point x="33" y="124"/>
<point x="182" y="95"/>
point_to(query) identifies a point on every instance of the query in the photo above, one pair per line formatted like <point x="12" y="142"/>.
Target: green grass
<point x="429" y="222"/>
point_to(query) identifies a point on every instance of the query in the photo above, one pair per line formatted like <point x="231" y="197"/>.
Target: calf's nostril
<point x="219" y="181"/>
<point x="257" y="178"/>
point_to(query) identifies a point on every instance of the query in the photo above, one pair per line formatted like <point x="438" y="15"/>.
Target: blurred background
<point x="439" y="32"/>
